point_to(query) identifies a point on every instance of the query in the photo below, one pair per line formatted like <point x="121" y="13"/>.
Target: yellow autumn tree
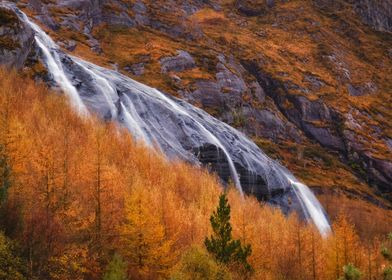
<point x="344" y="247"/>
<point x="143" y="241"/>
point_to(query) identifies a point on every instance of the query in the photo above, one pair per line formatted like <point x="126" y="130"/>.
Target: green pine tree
<point x="221" y="244"/>
<point x="350" y="272"/>
<point x="116" y="269"/>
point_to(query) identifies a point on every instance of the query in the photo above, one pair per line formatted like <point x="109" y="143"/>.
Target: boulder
<point x="252" y="8"/>
<point x="315" y="83"/>
<point x="229" y="81"/>
<point x="182" y="61"/>
<point x="136" y="69"/>
<point x="363" y="89"/>
<point x="208" y="94"/>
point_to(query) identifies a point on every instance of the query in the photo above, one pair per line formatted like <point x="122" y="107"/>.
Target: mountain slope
<point x="80" y="189"/>
<point x="308" y="81"/>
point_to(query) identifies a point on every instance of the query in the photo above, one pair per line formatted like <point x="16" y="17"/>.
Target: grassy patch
<point x="8" y="43"/>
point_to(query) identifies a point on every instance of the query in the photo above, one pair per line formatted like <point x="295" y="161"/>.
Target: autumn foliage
<point x="81" y="200"/>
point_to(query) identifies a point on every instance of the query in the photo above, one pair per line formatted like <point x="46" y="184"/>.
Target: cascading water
<point x="176" y="128"/>
<point x="46" y="44"/>
<point x="314" y="209"/>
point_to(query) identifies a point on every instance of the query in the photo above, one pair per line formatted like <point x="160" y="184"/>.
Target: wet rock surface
<point x="16" y="39"/>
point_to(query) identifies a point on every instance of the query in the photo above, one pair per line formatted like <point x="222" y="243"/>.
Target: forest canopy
<point x="79" y="199"/>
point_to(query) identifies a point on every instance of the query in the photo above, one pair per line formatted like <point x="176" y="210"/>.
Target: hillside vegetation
<point x="76" y="203"/>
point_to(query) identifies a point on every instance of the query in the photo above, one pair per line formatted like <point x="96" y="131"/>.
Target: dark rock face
<point x="228" y="81"/>
<point x="16" y="39"/>
<point x="376" y="13"/>
<point x="316" y="119"/>
<point x="183" y="61"/>
<point x="328" y="127"/>
<point x="208" y="94"/>
<point x="380" y="174"/>
<point x="135" y="69"/>
<point x="252" y="8"/>
<point x="215" y="161"/>
<point x="226" y="97"/>
<point x="360" y="90"/>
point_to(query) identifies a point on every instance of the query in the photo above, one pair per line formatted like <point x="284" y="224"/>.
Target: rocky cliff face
<point x="305" y="79"/>
<point x="376" y="13"/>
<point x="16" y="39"/>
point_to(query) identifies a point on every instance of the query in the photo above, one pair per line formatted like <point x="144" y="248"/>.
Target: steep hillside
<point x="73" y="191"/>
<point x="308" y="81"/>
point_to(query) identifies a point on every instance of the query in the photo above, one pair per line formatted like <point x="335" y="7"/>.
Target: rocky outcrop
<point x="208" y="94"/>
<point x="232" y="97"/>
<point x="360" y="90"/>
<point x="376" y="13"/>
<point x="183" y="61"/>
<point x="317" y="120"/>
<point x="228" y="81"/>
<point x="16" y="39"/>
<point x="136" y="69"/>
<point x="330" y="128"/>
<point x="253" y="8"/>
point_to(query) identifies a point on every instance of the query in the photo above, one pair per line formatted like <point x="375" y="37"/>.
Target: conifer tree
<point x="350" y="272"/>
<point x="221" y="244"/>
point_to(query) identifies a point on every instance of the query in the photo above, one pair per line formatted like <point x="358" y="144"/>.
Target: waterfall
<point x="48" y="47"/>
<point x="314" y="210"/>
<point x="175" y="127"/>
